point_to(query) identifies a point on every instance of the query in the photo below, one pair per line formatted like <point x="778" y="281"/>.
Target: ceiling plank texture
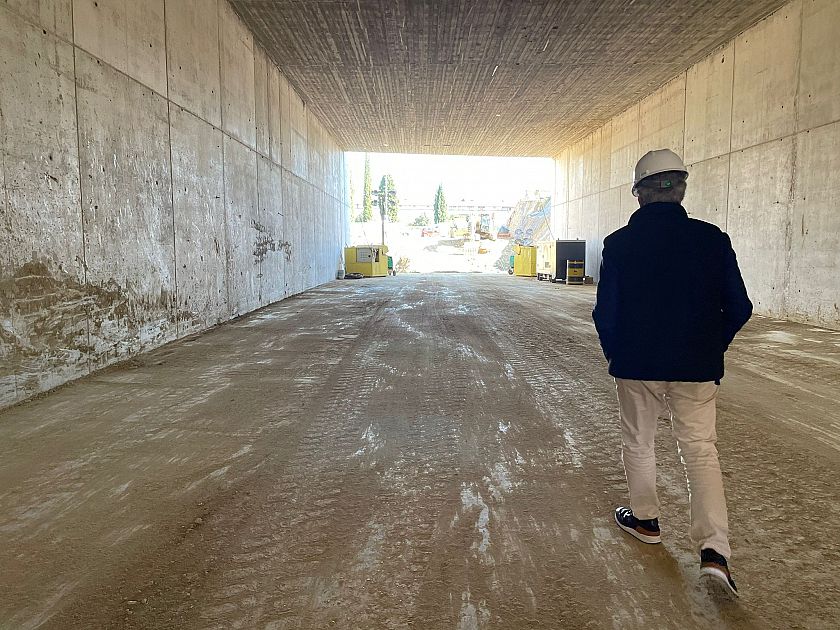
<point x="485" y="77"/>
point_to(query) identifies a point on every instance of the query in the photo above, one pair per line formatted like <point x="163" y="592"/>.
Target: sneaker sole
<point x="717" y="582"/>
<point x="650" y="540"/>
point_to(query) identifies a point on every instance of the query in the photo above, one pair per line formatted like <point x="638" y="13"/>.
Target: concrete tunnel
<point x="202" y="428"/>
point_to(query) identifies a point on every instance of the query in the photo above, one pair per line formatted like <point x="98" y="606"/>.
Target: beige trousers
<point x="691" y="407"/>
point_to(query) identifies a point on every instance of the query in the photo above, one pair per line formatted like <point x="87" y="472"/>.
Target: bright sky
<point x="475" y="180"/>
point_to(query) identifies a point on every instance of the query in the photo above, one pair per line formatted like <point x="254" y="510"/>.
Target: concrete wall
<point x="758" y="123"/>
<point x="159" y="176"/>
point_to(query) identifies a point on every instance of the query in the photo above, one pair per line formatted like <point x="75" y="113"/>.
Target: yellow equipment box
<point x="525" y="261"/>
<point x="574" y="272"/>
<point x="552" y="258"/>
<point x="369" y="260"/>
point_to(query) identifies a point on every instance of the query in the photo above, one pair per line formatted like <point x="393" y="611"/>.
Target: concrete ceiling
<point x="485" y="77"/>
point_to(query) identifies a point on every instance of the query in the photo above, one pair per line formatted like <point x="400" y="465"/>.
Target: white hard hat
<point x="655" y="162"/>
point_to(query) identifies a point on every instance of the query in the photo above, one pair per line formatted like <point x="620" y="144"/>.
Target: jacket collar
<point x="659" y="210"/>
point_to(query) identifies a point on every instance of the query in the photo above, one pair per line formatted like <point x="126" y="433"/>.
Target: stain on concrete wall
<point x="199" y="213"/>
<point x="43" y="330"/>
<point x="758" y="122"/>
<point x="241" y="217"/>
<point x="149" y="186"/>
<point x="44" y="334"/>
<point x="126" y="209"/>
<point x="269" y="249"/>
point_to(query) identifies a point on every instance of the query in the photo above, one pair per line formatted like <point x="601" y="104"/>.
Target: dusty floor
<point x="420" y="451"/>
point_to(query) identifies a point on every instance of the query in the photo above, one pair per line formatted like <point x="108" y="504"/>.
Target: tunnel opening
<point x="449" y="213"/>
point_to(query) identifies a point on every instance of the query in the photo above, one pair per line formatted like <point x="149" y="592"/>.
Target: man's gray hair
<point x="666" y="187"/>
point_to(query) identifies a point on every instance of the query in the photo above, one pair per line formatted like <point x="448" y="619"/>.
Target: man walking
<point x="670" y="301"/>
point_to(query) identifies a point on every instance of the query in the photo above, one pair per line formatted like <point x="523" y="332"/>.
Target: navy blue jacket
<point x="670" y="298"/>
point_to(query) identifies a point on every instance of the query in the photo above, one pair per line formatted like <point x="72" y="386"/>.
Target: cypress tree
<point x="440" y="206"/>
<point x="367" y="196"/>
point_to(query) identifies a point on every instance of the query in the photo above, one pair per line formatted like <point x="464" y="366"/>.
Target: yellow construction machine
<point x="371" y="261"/>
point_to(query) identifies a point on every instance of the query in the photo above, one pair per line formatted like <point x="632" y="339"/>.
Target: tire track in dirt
<point x="444" y="452"/>
<point x="564" y="392"/>
<point x="591" y="407"/>
<point x="166" y="585"/>
<point x="284" y="550"/>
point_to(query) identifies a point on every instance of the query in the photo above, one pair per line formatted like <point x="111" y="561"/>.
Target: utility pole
<point x="383" y="204"/>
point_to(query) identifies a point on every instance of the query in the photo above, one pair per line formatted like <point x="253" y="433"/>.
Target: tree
<point x="422" y="220"/>
<point x="440" y="206"/>
<point x="388" y="198"/>
<point x="367" y="195"/>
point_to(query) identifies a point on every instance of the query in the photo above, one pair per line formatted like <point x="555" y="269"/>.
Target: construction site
<point x="205" y="423"/>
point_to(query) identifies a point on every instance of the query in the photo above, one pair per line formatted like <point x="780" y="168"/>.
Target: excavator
<point x="484" y="227"/>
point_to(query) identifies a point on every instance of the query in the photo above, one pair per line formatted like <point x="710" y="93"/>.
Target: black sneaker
<point x="714" y="569"/>
<point x="646" y="530"/>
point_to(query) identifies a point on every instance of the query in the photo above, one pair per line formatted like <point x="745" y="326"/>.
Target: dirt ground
<point x="438" y="253"/>
<point x="421" y="451"/>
